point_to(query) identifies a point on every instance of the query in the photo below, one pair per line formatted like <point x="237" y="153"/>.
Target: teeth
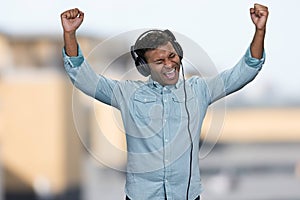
<point x="170" y="72"/>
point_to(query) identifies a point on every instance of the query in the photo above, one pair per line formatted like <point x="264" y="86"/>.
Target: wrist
<point x="260" y="30"/>
<point x="70" y="34"/>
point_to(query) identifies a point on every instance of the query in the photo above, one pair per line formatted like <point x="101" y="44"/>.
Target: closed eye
<point x="172" y="55"/>
<point x="158" y="62"/>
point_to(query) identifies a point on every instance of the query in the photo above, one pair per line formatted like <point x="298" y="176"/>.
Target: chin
<point x="172" y="82"/>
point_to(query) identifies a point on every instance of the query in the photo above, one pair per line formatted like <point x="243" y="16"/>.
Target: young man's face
<point x="164" y="64"/>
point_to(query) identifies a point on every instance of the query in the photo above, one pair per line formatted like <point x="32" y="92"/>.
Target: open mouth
<point x="171" y="74"/>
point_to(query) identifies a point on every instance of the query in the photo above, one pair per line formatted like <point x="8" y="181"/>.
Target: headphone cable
<point x="190" y="135"/>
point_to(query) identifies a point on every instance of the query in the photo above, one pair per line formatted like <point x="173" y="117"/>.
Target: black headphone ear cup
<point x="140" y="63"/>
<point x="142" y="66"/>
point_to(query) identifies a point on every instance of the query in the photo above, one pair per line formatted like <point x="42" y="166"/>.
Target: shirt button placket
<point x="166" y="111"/>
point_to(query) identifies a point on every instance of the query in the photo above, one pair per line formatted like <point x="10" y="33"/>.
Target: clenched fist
<point x="259" y="15"/>
<point x="71" y="20"/>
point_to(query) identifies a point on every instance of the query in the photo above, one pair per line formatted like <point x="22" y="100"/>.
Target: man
<point x="163" y="116"/>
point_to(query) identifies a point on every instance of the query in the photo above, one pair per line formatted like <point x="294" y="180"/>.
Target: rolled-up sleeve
<point x="75" y="61"/>
<point x="72" y="64"/>
<point x="254" y="62"/>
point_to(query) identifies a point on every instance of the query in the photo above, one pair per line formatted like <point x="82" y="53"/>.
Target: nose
<point x="168" y="63"/>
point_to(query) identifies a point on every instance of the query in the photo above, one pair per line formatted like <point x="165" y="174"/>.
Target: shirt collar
<point x="155" y="84"/>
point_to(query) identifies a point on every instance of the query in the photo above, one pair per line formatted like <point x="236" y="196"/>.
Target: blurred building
<point x="47" y="129"/>
<point x="40" y="151"/>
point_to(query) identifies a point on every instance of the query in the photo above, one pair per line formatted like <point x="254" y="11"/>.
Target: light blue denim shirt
<point x="155" y="122"/>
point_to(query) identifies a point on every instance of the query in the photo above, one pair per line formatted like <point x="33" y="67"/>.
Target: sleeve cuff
<point x="75" y="61"/>
<point x="254" y="62"/>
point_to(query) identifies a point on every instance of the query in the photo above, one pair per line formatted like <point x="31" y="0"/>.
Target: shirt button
<point x="166" y="140"/>
<point x="166" y="180"/>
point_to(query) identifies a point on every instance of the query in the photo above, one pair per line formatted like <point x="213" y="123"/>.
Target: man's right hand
<point x="71" y="20"/>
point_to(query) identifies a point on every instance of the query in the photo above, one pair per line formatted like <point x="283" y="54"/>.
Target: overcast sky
<point x="222" y="28"/>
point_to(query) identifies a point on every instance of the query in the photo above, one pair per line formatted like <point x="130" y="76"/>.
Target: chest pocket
<point x="179" y="104"/>
<point x="146" y="106"/>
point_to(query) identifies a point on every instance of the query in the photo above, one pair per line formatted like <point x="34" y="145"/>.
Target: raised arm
<point x="248" y="67"/>
<point x="80" y="72"/>
<point x="71" y="20"/>
<point x="259" y="15"/>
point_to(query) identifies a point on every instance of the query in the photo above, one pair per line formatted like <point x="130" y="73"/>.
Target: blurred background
<point x="56" y="143"/>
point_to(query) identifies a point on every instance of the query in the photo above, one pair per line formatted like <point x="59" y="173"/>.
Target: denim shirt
<point x="155" y="120"/>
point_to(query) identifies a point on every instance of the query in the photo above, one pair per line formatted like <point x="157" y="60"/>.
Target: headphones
<point x="141" y="63"/>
